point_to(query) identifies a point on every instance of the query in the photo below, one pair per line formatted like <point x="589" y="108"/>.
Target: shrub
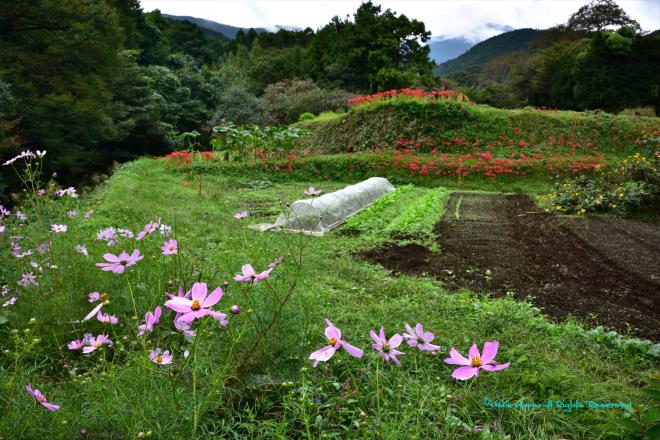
<point x="307" y="116"/>
<point x="632" y="186"/>
<point x="238" y="105"/>
<point x="286" y="100"/>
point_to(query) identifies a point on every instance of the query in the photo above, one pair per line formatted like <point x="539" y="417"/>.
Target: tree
<point x="351" y="53"/>
<point x="59" y="58"/>
<point x="598" y="15"/>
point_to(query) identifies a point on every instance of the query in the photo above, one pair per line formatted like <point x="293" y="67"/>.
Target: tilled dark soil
<point x="601" y="270"/>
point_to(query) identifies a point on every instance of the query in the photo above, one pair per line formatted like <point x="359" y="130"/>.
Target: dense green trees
<point x="581" y="65"/>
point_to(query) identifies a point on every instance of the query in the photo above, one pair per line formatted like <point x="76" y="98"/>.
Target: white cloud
<point x="442" y="17"/>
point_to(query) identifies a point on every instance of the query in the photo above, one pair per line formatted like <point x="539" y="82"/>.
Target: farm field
<point x="261" y="385"/>
<point x="326" y="220"/>
<point x="602" y="270"/>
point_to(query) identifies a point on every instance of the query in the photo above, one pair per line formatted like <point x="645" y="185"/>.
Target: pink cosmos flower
<point x="42" y="248"/>
<point x="149" y="320"/>
<point x="160" y="358"/>
<point x="2" y="229"/>
<point x="470" y="367"/>
<point x="72" y="213"/>
<point x="82" y="250"/>
<point x="4" y="212"/>
<point x="95" y="296"/>
<point x="76" y="345"/>
<point x="387" y="349"/>
<point x="106" y="318"/>
<point x="70" y="191"/>
<point x="41" y="192"/>
<point x="169" y="247"/>
<point x="249" y="276"/>
<point x="273" y="264"/>
<point x="88" y="214"/>
<point x="235" y="309"/>
<point x="96" y="343"/>
<point x="184" y="327"/>
<point x="22" y="217"/>
<point x="311" y="191"/>
<point x="334" y="343"/>
<point x="109" y="235"/>
<point x="58" y="228"/>
<point x="10" y="302"/>
<point x="29" y="154"/>
<point x="27" y="279"/>
<point x="41" y="398"/>
<point x="94" y="311"/>
<point x="119" y="263"/>
<point x="242" y="214"/>
<point x="20" y="255"/>
<point x="197" y="307"/>
<point x="149" y="229"/>
<point x="419" y="338"/>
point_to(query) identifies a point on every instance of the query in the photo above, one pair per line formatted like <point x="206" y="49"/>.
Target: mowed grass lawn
<point x="272" y="391"/>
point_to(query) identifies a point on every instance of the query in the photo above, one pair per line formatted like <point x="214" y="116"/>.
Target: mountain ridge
<point x="227" y="30"/>
<point x="489" y="49"/>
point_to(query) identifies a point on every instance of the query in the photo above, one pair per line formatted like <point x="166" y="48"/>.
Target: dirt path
<point x="601" y="270"/>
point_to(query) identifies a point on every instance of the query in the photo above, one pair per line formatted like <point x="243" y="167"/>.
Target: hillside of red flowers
<point x="410" y="93"/>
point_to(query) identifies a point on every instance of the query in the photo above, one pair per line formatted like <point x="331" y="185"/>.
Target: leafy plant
<point x="641" y="423"/>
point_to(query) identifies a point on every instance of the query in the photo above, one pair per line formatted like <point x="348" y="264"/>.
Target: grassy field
<point x="252" y="378"/>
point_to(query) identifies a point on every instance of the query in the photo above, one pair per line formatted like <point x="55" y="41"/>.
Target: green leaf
<point x="629" y="425"/>
<point x="651" y="416"/>
<point x="653" y="393"/>
<point x="654" y="432"/>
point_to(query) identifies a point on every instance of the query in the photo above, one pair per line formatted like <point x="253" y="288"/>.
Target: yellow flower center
<point x="196" y="305"/>
<point x="96" y="344"/>
<point x="104" y="297"/>
<point x="171" y="247"/>
<point x="41" y="399"/>
<point x="159" y="359"/>
<point x="332" y="341"/>
<point x="476" y="362"/>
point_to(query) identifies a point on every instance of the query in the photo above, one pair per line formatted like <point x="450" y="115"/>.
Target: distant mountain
<point x="212" y="26"/>
<point x="447" y="49"/>
<point x="481" y="53"/>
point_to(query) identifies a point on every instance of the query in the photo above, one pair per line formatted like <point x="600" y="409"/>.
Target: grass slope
<point x="120" y="394"/>
<point x="385" y="122"/>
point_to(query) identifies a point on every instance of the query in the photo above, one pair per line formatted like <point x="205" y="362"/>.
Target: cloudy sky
<point x="442" y="17"/>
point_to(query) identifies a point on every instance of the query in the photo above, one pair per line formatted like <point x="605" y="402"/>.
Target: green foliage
<point x="62" y="95"/>
<point x="384" y="123"/>
<point x="286" y="100"/>
<point x="238" y="105"/>
<point x="631" y="187"/>
<point x="278" y="395"/>
<point x="307" y="116"/>
<point x="599" y="14"/>
<point x="234" y="142"/>
<point x="490" y="49"/>
<point x="644" y="423"/>
<point x="350" y="54"/>
<point x="577" y="66"/>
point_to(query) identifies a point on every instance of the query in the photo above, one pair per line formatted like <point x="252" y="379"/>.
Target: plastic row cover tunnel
<point x="321" y="214"/>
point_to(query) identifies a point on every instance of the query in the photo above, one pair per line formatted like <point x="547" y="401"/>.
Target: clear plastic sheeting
<point x="321" y="214"/>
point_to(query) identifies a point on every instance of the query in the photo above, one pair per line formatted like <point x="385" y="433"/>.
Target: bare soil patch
<point x="600" y="270"/>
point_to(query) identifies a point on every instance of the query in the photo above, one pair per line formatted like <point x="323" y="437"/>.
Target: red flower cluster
<point x="412" y="93"/>
<point x="182" y="159"/>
